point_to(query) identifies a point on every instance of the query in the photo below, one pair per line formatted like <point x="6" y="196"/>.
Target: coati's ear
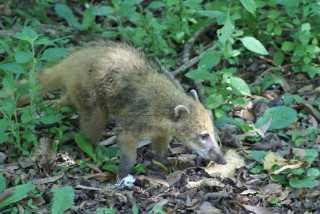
<point x="181" y="111"/>
<point x="194" y="94"/>
<point x="210" y="114"/>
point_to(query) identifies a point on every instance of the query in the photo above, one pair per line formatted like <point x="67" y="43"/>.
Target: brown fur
<point x="105" y="79"/>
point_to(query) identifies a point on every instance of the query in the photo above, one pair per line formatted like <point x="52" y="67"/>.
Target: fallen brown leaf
<point x="234" y="161"/>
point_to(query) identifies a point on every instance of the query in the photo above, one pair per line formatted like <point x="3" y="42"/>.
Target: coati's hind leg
<point x="92" y="123"/>
<point x="65" y="101"/>
<point x="128" y="147"/>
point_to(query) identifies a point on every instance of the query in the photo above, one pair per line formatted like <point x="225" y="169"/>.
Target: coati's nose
<point x="218" y="158"/>
<point x="221" y="160"/>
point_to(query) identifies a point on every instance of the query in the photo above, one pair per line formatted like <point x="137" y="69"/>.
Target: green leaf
<point x="135" y="209"/>
<point x="50" y="118"/>
<point x="199" y="75"/>
<point x="109" y="34"/>
<point x="2" y="183"/>
<point x="158" y="209"/>
<point x="288" y="98"/>
<point x="23" y="56"/>
<point x="289" y="3"/>
<point x="109" y="152"/>
<point x="27" y="34"/>
<point x="156" y="4"/>
<point x="225" y="32"/>
<point x="210" y="14"/>
<point x="26" y="117"/>
<point x="312" y="70"/>
<point x="105" y="211"/>
<point x="223" y="120"/>
<point x="111" y="168"/>
<point x="9" y="83"/>
<point x="62" y="200"/>
<point x="66" y="13"/>
<point x="20" y="192"/>
<point x="4" y="123"/>
<point x="312" y="172"/>
<point x="257" y="169"/>
<point x="103" y="11"/>
<point x="287" y="46"/>
<point x="311" y="155"/>
<point x="297" y="171"/>
<point x="258" y="155"/>
<point x="209" y="59"/>
<point x="250" y="6"/>
<point x="88" y="17"/>
<point x="239" y="86"/>
<point x="279" y="179"/>
<point x="4" y="137"/>
<point x="44" y="41"/>
<point x="240" y="101"/>
<point x="254" y="45"/>
<point x="305" y="182"/>
<point x="278" y="58"/>
<point x="214" y="101"/>
<point x="53" y="54"/>
<point x="67" y="109"/>
<point x="12" y="68"/>
<point x="281" y="116"/>
<point x="127" y="10"/>
<point x="85" y="145"/>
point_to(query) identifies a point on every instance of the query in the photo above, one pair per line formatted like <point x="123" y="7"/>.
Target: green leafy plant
<point x="106" y="211"/>
<point x="19" y="192"/>
<point x="280" y="116"/>
<point x="62" y="199"/>
<point x="85" y="145"/>
<point x="304" y="138"/>
<point x="17" y="124"/>
<point x="157" y="209"/>
<point x="298" y="177"/>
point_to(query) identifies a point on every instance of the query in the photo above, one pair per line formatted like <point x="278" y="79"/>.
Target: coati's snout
<point x="207" y="147"/>
<point x="218" y="158"/>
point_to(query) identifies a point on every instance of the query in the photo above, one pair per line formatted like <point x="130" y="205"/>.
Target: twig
<point x="190" y="63"/>
<point x="169" y="74"/>
<point x="198" y="85"/>
<point x="189" y="44"/>
<point x="161" y="66"/>
<point x="88" y="188"/>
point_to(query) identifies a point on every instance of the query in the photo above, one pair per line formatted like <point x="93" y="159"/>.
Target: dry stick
<point x="168" y="73"/>
<point x="190" y="63"/>
<point x="187" y="53"/>
<point x="187" y="65"/>
<point x="189" y="44"/>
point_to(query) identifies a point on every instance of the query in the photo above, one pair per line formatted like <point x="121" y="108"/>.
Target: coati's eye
<point x="204" y="136"/>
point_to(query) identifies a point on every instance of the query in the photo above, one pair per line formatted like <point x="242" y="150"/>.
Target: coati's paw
<point x="122" y="172"/>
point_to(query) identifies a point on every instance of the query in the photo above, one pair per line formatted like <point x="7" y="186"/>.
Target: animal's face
<point x="195" y="130"/>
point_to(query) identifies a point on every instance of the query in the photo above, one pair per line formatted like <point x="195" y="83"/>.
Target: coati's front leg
<point x="128" y="147"/>
<point x="92" y="123"/>
<point x="160" y="147"/>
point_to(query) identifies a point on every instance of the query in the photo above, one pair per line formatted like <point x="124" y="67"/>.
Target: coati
<point x="105" y="79"/>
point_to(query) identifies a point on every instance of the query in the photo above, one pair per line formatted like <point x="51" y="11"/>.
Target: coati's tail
<point x="48" y="78"/>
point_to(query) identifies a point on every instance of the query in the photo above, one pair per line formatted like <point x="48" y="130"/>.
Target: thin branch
<point x="190" y="63"/>
<point x="187" y="48"/>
